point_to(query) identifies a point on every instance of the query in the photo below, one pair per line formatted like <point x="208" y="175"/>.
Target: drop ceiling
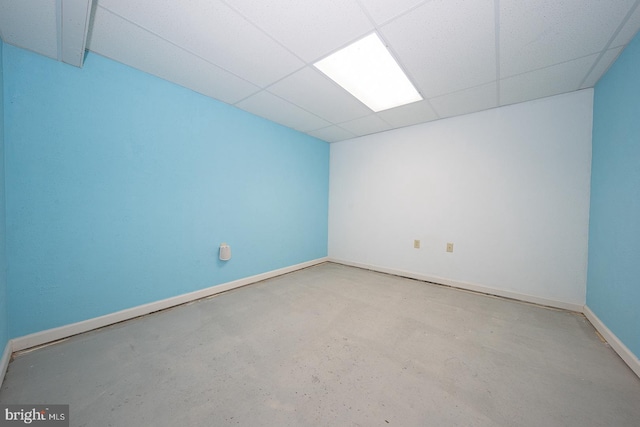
<point x="258" y="55"/>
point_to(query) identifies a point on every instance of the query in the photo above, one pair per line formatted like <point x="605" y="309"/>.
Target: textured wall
<point x="613" y="286"/>
<point x="4" y="320"/>
<point x="508" y="186"/>
<point x="121" y="186"/>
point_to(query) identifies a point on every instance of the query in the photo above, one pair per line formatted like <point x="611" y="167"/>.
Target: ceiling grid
<point x="258" y="55"/>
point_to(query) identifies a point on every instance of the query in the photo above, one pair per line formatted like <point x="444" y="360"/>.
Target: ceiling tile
<point x="366" y="125"/>
<point x="269" y="106"/>
<point x="446" y="45"/>
<point x="216" y="33"/>
<point x="538" y="34"/>
<point x="332" y="134"/>
<point x="31" y="25"/>
<point x="601" y="67"/>
<point x="310" y="29"/>
<point x="122" y="41"/>
<point x="565" y="77"/>
<point x="258" y="54"/>
<point x="382" y="11"/>
<point x="466" y="101"/>
<point x="312" y="91"/>
<point x="410" y="114"/>
<point x="629" y="30"/>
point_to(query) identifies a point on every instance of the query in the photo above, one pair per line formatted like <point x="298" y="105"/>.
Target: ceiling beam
<point x="73" y="25"/>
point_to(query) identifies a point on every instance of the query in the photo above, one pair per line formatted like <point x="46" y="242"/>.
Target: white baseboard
<point x="50" y="335"/>
<point x="615" y="343"/>
<point x="4" y="361"/>
<point x="467" y="286"/>
<point x="66" y="331"/>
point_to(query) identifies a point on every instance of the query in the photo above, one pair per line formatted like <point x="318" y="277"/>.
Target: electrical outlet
<point x="449" y="247"/>
<point x="416" y="244"/>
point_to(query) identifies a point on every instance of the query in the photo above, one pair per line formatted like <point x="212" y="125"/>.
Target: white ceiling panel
<point x="30" y="24"/>
<point x="446" y="45"/>
<point x="561" y="78"/>
<point x="310" y="29"/>
<point x="312" y="91"/>
<point x="601" y="67"/>
<point x="536" y="34"/>
<point x="332" y="134"/>
<point x="466" y="101"/>
<point x="269" y="106"/>
<point x="410" y="114"/>
<point x="382" y="11"/>
<point x="462" y="55"/>
<point x="630" y="29"/>
<point x="125" y="42"/>
<point x="216" y="33"/>
<point x="112" y="36"/>
<point x="366" y="125"/>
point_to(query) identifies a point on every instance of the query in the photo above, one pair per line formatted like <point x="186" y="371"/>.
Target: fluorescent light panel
<point x="367" y="70"/>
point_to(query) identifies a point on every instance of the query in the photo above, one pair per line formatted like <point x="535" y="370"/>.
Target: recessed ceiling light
<point x="367" y="70"/>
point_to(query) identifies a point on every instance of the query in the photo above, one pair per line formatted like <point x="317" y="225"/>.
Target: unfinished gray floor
<point x="335" y="345"/>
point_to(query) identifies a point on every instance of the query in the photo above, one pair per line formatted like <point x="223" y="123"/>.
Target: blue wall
<point x="121" y="186"/>
<point x="4" y="321"/>
<point x="613" y="282"/>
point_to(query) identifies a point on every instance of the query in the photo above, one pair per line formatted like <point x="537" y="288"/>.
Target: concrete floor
<point x="335" y="345"/>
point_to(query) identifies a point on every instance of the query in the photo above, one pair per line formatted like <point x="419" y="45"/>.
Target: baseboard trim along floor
<point x="615" y="343"/>
<point x="4" y="361"/>
<point x="56" y="334"/>
<point x="66" y="331"/>
<point x="466" y="286"/>
<point x="336" y="345"/>
<point x="625" y="354"/>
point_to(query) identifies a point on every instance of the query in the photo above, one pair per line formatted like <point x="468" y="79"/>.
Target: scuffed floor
<point x="339" y="346"/>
